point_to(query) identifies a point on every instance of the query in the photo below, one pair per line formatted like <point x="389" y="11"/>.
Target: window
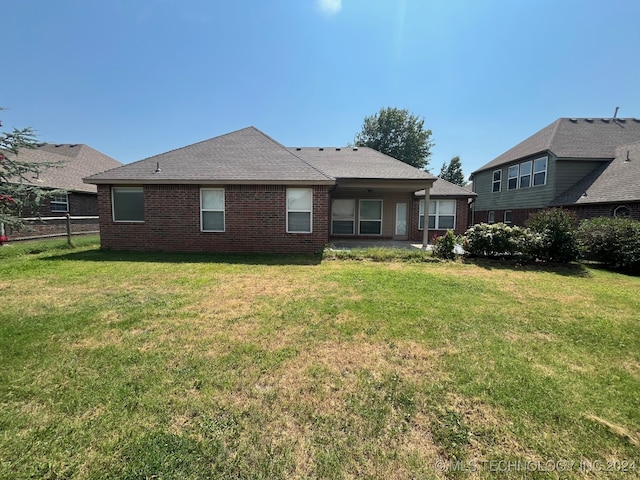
<point x="507" y="216"/>
<point x="343" y="217"/>
<point x="370" y="217"/>
<point x="622" y="211"/>
<point x="212" y="209"/>
<point x="442" y="214"/>
<point x="491" y="217"/>
<point x="540" y="171"/>
<point x="512" y="181"/>
<point x="497" y="180"/>
<point x="60" y="203"/>
<point x="299" y="208"/>
<point x="127" y="204"/>
<point x="525" y="175"/>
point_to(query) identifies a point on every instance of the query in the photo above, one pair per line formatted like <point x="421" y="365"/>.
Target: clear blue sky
<point x="134" y="78"/>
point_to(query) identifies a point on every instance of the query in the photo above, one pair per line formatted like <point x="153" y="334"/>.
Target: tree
<point x="17" y="193"/>
<point x="399" y="134"/>
<point x="453" y="172"/>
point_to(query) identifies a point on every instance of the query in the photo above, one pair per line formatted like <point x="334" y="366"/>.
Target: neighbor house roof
<point x="244" y="156"/>
<point x="443" y="188"/>
<point x="615" y="181"/>
<point x="358" y="162"/>
<point x="579" y="138"/>
<point x="72" y="163"/>
<point x="250" y="156"/>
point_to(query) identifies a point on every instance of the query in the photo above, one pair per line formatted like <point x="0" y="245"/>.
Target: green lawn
<point x="128" y="365"/>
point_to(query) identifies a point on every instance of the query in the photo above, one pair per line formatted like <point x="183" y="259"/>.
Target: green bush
<point x="500" y="240"/>
<point x="557" y="230"/>
<point x="612" y="241"/>
<point x="444" y="246"/>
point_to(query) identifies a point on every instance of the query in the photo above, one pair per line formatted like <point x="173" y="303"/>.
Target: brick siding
<point x="463" y="219"/>
<point x="255" y="221"/>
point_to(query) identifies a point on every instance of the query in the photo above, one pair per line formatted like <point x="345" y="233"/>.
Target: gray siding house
<point x="588" y="165"/>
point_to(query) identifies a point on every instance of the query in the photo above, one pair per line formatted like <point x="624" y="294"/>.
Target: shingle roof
<point x="359" y="162"/>
<point x="615" y="181"/>
<point x="243" y="156"/>
<point x="574" y="138"/>
<point x="75" y="162"/>
<point x="443" y="188"/>
<point x="250" y="156"/>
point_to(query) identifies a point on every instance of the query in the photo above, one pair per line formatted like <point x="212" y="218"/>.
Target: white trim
<point x="113" y="210"/>
<point x="491" y="216"/>
<point x="504" y="218"/>
<point x="224" y="209"/>
<point x="437" y="215"/>
<point x="494" y="181"/>
<point x="545" y="171"/>
<point x="523" y="175"/>
<point x="310" y="211"/>
<point x="511" y="177"/>
<point x="57" y="202"/>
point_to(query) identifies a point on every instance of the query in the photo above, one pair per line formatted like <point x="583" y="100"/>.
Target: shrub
<point x="612" y="241"/>
<point x="499" y="240"/>
<point x="445" y="246"/>
<point x="557" y="230"/>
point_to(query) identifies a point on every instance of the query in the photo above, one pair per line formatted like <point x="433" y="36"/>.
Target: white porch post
<point x="425" y="231"/>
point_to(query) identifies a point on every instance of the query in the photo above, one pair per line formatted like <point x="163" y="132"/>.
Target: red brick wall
<point x="255" y="221"/>
<point x="463" y="219"/>
<point x="520" y="216"/>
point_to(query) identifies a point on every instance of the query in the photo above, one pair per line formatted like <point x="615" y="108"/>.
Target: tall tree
<point x="399" y="134"/>
<point x="17" y="192"/>
<point x="453" y="172"/>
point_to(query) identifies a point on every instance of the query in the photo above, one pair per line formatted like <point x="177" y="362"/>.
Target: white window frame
<point x="498" y="181"/>
<point x="544" y="171"/>
<point x="507" y="217"/>
<point x="223" y="209"/>
<point x="309" y="211"/>
<point x="616" y="211"/>
<point x="513" y="173"/>
<point x="113" y="203"/>
<point x="524" y="175"/>
<point x="491" y="216"/>
<point x="436" y="216"/>
<point x="60" y="202"/>
<point x="360" y="220"/>
<point x="352" y="220"/>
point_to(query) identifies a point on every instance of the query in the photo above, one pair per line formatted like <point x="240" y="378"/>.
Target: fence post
<point x="68" y="229"/>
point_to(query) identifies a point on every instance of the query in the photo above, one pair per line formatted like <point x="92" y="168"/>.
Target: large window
<point x="370" y="217"/>
<point x="127" y="204"/>
<point x="512" y="181"/>
<point x="497" y="180"/>
<point x="212" y="209"/>
<point x="60" y="203"/>
<point x="442" y="215"/>
<point x="299" y="210"/>
<point x="343" y="217"/>
<point x="525" y="175"/>
<point x="539" y="171"/>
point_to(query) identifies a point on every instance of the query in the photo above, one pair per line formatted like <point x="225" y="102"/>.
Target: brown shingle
<point x="574" y="138"/>
<point x="243" y="156"/>
<point x="73" y="162"/>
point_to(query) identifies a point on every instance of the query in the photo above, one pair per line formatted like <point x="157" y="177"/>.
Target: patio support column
<point x="425" y="231"/>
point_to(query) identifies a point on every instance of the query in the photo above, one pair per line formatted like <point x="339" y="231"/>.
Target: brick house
<point x="245" y="192"/>
<point x="72" y="163"/>
<point x="449" y="209"/>
<point x="587" y="165"/>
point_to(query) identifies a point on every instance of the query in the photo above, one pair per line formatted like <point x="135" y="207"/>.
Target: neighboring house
<point x="72" y="162"/>
<point x="449" y="208"/>
<point x="245" y="192"/>
<point x="587" y="165"/>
